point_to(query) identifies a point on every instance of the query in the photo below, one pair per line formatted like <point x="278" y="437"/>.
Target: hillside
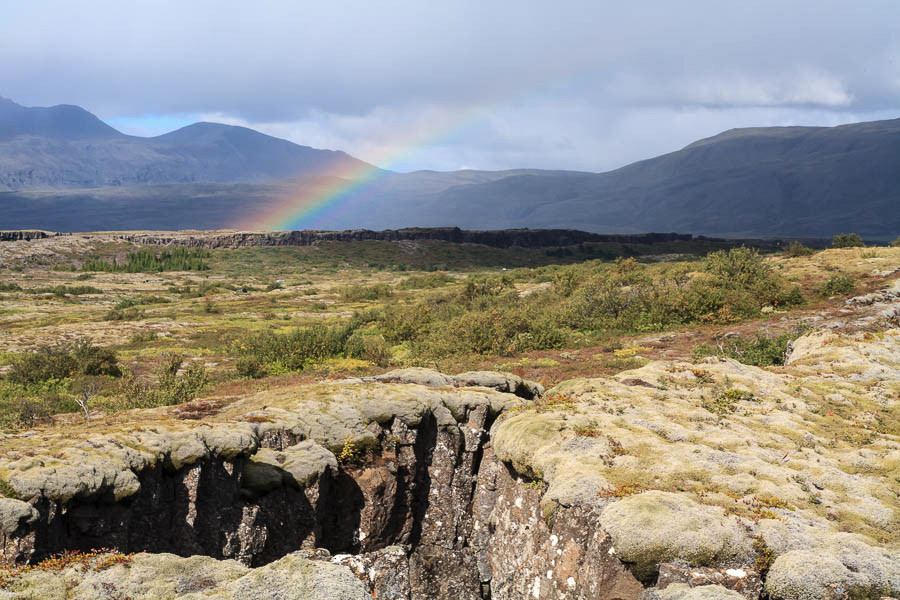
<point x="66" y="170"/>
<point x="811" y="181"/>
<point x="64" y="147"/>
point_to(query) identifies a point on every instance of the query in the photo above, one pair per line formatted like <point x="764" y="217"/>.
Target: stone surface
<point x="167" y="577"/>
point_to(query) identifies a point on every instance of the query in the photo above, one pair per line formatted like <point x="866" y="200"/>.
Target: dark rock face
<point x="26" y="234"/>
<point x="571" y="557"/>
<point x="499" y="238"/>
<point x="434" y="514"/>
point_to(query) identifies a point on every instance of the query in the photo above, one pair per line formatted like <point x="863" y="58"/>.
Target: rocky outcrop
<point x="715" y="480"/>
<point x="498" y="238"/>
<point x="27" y="234"/>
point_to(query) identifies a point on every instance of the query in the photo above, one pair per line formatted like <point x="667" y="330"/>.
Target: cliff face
<point x="499" y="238"/>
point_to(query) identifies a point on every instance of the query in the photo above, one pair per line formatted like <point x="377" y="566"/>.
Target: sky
<point x="447" y="85"/>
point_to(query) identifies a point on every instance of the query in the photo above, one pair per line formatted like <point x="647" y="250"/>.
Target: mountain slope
<point x="68" y="147"/>
<point x="64" y="169"/>
<point x="763" y="181"/>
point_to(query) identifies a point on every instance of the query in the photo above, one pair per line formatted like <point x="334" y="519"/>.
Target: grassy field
<point x="111" y="326"/>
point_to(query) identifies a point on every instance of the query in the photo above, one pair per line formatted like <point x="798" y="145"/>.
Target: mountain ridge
<point x="747" y="182"/>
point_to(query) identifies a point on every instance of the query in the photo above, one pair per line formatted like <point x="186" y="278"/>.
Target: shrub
<point x="837" y="285"/>
<point x="368" y="346"/>
<point x="760" y="351"/>
<point x="355" y="293"/>
<point x="9" y="287"/>
<point x="64" y="360"/>
<point x="129" y="314"/>
<point x="63" y="290"/>
<point x="846" y="240"/>
<point x="250" y="366"/>
<point x="427" y="281"/>
<point x="171" y="388"/>
<point x="896" y="243"/>
<point x="480" y="286"/>
<point x="795" y="250"/>
<point x="146" y="260"/>
<point x="741" y="267"/>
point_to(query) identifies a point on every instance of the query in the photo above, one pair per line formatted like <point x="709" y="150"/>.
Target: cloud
<point x="572" y="84"/>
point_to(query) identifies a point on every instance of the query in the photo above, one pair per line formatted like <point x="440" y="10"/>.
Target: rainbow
<point x="311" y="201"/>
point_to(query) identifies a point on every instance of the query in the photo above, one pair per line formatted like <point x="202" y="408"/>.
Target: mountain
<point x="67" y="147"/>
<point x="777" y="181"/>
<point x="66" y="170"/>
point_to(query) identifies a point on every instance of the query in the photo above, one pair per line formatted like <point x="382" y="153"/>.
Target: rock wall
<point x="27" y="234"/>
<point x="501" y="238"/>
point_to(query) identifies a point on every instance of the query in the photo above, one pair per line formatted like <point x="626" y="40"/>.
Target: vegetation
<point x="759" y="351"/>
<point x="146" y="260"/>
<point x="837" y="285"/>
<point x="64" y="360"/>
<point x="334" y="316"/>
<point x="795" y="250"/>
<point x="847" y="240"/>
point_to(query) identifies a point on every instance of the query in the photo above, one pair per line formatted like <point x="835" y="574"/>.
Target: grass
<point x="355" y="308"/>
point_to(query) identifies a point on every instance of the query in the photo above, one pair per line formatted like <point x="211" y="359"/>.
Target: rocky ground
<point x="676" y="480"/>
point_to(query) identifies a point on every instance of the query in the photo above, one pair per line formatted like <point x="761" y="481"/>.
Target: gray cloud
<point x="565" y="84"/>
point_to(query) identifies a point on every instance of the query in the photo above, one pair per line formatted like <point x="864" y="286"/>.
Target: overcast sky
<point x="485" y="84"/>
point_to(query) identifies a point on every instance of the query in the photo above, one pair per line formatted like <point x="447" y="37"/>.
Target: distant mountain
<point x="67" y="170"/>
<point x="67" y="147"/>
<point x="778" y="181"/>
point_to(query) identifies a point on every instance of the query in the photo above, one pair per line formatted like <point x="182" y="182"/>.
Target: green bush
<point x="356" y="293"/>
<point x="303" y="346"/>
<point x="170" y="388"/>
<point x="9" y="287"/>
<point x="146" y="260"/>
<point x="837" y="285"/>
<point x="250" y="366"/>
<point x="128" y="314"/>
<point x="847" y="240"/>
<point x="64" y="360"/>
<point x="795" y="250"/>
<point x="368" y="346"/>
<point x="62" y="291"/>
<point x="427" y="281"/>
<point x="760" y="351"/>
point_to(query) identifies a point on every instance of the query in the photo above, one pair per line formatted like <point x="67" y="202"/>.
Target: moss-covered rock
<point x="683" y="591"/>
<point x="656" y="527"/>
<point x="167" y="577"/>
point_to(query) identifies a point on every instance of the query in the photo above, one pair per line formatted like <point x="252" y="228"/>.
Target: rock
<point x="851" y="569"/>
<point x="746" y="582"/>
<point x="384" y="572"/>
<point x="654" y="527"/>
<point x="682" y="591"/>
<point x="14" y="514"/>
<point x="569" y="558"/>
<point x="167" y="577"/>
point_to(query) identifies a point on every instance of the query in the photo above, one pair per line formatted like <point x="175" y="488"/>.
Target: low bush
<point x="847" y="240"/>
<point x="147" y="260"/>
<point x="128" y="314"/>
<point x="837" y="285"/>
<point x="795" y="250"/>
<point x="170" y="388"/>
<point x="759" y="351"/>
<point x="426" y="281"/>
<point x="250" y="367"/>
<point x="356" y="293"/>
<point x="64" y="360"/>
<point x="62" y="291"/>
